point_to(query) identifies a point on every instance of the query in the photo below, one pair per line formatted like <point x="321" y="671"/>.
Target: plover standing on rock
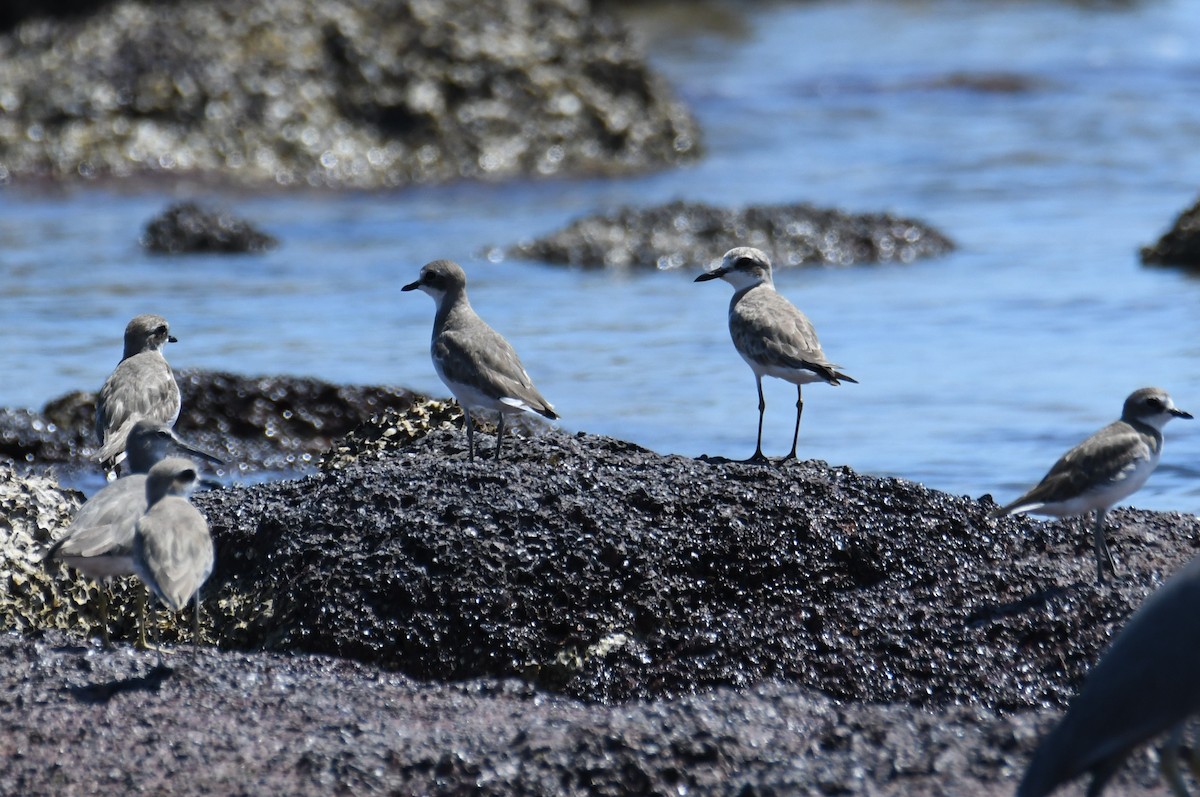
<point x="479" y="366"/>
<point x="772" y="335"/>
<point x="172" y="548"/>
<point x="141" y="386"/>
<point x="1108" y="467"/>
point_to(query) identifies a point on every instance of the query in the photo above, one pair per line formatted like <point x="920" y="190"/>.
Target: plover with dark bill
<point x="99" y="541"/>
<point x="141" y="386"/>
<point x="772" y="335"/>
<point x="1104" y="469"/>
<point x="172" y="548"/>
<point x="477" y="364"/>
<point x="1145" y="685"/>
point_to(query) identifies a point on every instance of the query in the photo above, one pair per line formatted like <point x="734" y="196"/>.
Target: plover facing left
<point x="1104" y="469"/>
<point x="141" y="386"/>
<point x="172" y="548"/>
<point x="772" y="335"/>
<point x="477" y="364"/>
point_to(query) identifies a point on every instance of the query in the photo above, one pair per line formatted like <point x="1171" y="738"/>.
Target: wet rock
<point x="608" y="573"/>
<point x="271" y="423"/>
<point x="341" y="93"/>
<point x="1180" y="245"/>
<point x="692" y="234"/>
<point x="316" y="725"/>
<point x="187" y="227"/>
<point x="587" y="617"/>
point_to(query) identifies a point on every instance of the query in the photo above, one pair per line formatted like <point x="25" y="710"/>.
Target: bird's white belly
<point x="472" y="397"/>
<point x="1129" y="482"/>
<point x="797" y="376"/>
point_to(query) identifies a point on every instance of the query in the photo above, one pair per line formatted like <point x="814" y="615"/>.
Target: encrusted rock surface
<point x="341" y="93"/>
<point x="587" y="617"/>
<point x="186" y="227"/>
<point x="254" y="423"/>
<point x="1178" y="246"/>
<point x="690" y="234"/>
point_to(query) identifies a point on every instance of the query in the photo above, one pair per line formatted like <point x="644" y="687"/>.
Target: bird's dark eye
<point x="1154" y="404"/>
<point x="745" y="262"/>
<point x="162" y="330"/>
<point x="163" y="433"/>
<point x="187" y="475"/>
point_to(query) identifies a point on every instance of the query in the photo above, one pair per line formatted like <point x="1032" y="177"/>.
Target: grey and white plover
<point x="172" y="548"/>
<point x="477" y="364"/>
<point x="772" y="335"/>
<point x="141" y="386"/>
<point x="1144" y="685"/>
<point x="1104" y="469"/>
<point x="99" y="541"/>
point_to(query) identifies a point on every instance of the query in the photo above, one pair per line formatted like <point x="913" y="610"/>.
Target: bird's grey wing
<point x="771" y="330"/>
<point x="142" y="386"/>
<point x="482" y="355"/>
<point x="104" y="524"/>
<point x="1102" y="459"/>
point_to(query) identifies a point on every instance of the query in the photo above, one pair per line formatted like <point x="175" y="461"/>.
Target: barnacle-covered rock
<point x="693" y="234"/>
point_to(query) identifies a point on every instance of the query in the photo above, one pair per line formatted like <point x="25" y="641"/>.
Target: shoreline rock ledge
<point x="588" y="617"/>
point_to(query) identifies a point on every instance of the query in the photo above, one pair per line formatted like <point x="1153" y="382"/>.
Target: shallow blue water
<point x="977" y="370"/>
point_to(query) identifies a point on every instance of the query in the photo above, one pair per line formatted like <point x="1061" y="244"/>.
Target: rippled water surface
<point x="1049" y="140"/>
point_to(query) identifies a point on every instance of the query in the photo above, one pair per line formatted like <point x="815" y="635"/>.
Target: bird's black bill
<point x="709" y="275"/>
<point x="1181" y="414"/>
<point x="412" y="286"/>
<point x="172" y="339"/>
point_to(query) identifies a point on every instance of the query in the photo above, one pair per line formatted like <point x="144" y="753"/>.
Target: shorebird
<point x="99" y="541"/>
<point x="1144" y="685"/>
<point x="141" y="386"/>
<point x="172" y="548"/>
<point x="772" y="335"/>
<point x="1108" y="467"/>
<point x="475" y="361"/>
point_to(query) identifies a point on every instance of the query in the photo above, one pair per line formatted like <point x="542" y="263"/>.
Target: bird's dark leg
<point x="499" y="436"/>
<point x="762" y="406"/>
<point x="141" y="602"/>
<point x="102" y="608"/>
<point x="470" y="434"/>
<point x="1102" y="552"/>
<point x="796" y="433"/>
<point x="157" y="635"/>
<point x="196" y="624"/>
<point x="1168" y="762"/>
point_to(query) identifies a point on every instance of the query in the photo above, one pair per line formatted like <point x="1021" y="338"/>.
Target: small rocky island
<point x="583" y="617"/>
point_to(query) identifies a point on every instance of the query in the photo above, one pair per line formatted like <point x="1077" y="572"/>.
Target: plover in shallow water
<point x="477" y="364"/>
<point x="772" y="335"/>
<point x="172" y="548"/>
<point x="141" y="386"/>
<point x="1144" y="685"/>
<point x="1106" y="468"/>
<point x="99" y="541"/>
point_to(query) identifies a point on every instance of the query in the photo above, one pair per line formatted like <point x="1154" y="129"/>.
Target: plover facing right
<point x="141" y="386"/>
<point x="479" y="366"/>
<point x="1104" y="469"/>
<point x="772" y="335"/>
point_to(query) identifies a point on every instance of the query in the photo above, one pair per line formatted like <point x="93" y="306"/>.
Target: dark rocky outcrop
<point x="342" y="93"/>
<point x="671" y="623"/>
<point x="254" y="423"/>
<point x="693" y="234"/>
<point x="186" y="227"/>
<point x="1180" y="245"/>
